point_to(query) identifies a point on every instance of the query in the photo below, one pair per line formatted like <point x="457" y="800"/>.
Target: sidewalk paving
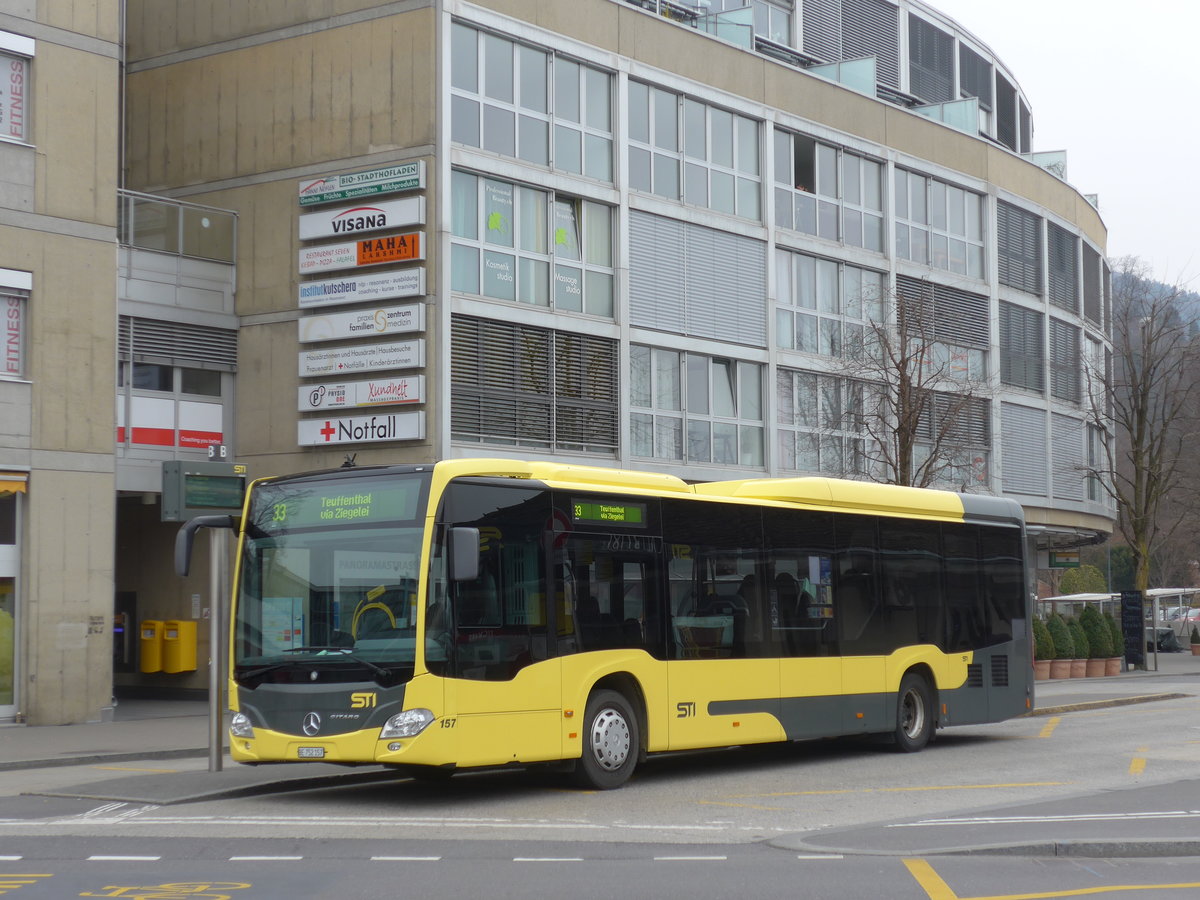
<point x="160" y="730"/>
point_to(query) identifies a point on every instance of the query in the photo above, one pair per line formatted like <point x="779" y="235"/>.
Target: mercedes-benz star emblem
<point x="312" y="724"/>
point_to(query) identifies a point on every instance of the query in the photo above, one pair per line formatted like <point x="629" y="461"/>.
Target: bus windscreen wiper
<point x="344" y="652"/>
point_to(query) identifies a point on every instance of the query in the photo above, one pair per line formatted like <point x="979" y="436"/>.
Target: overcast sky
<point x="1116" y="86"/>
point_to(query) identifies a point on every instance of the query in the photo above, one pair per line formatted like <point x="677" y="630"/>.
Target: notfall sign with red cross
<point x="399" y="426"/>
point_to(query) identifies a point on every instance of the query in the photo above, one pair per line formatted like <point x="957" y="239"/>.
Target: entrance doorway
<point x="10" y="559"/>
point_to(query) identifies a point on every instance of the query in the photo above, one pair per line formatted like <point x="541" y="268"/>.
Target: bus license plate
<point x="311" y="753"/>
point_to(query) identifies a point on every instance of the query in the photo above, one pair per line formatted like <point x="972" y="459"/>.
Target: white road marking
<point x="547" y="859"/>
<point x="405" y="858"/>
<point x="690" y="858"/>
<point x="1083" y="817"/>
<point x="264" y="858"/>
<point x="123" y="858"/>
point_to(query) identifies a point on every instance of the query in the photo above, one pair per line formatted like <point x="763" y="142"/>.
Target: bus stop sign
<point x="201" y="488"/>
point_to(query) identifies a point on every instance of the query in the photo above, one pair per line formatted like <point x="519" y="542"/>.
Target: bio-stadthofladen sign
<point x="371" y="286"/>
<point x="376" y="251"/>
<point x="362" y="323"/>
<point x="363" y="217"/>
<point x="388" y="180"/>
<point x="404" y="426"/>
<point x="364" y="358"/>
<point x="383" y="391"/>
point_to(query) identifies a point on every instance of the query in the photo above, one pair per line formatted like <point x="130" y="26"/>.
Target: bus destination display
<point x="608" y="513"/>
<point x="291" y="506"/>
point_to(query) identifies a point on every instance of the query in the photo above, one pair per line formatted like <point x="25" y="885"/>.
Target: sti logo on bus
<point x="685" y="710"/>
<point x="362" y="700"/>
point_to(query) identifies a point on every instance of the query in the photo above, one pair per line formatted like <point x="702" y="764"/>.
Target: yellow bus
<point x="489" y="612"/>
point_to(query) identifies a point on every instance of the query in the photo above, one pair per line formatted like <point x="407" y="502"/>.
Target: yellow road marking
<point x="1048" y="728"/>
<point x="930" y="881"/>
<point x="937" y="889"/>
<point x="1137" y="765"/>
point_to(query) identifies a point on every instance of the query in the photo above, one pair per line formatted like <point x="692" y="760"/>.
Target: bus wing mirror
<point x="187" y="534"/>
<point x="464" y="554"/>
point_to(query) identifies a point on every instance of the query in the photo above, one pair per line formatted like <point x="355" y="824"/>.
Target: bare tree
<point x="925" y="409"/>
<point x="1145" y="404"/>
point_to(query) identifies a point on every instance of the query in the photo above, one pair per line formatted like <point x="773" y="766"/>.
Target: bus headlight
<point x="409" y="723"/>
<point x="239" y="726"/>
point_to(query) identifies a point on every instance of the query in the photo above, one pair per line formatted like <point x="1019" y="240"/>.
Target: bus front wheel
<point x="610" y="742"/>
<point x="914" y="714"/>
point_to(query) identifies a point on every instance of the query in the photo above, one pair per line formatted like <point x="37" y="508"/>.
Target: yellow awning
<point x="9" y="484"/>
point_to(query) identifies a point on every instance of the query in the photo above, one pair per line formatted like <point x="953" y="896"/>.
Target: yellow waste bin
<point x="151" y="646"/>
<point x="179" y="646"/>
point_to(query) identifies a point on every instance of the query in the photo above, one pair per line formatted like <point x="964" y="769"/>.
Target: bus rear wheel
<point x="914" y="714"/>
<point x="610" y="742"/>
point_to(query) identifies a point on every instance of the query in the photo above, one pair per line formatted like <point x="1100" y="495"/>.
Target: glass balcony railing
<point x="171" y="226"/>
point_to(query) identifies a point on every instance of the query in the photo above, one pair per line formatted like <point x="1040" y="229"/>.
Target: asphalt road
<point x="1093" y="800"/>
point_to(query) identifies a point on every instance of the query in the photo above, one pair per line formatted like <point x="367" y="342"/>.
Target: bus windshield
<point x="329" y="580"/>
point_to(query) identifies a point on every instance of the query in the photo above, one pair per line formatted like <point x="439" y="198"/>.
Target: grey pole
<point x="218" y="567"/>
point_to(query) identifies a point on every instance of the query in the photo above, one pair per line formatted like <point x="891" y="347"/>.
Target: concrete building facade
<point x="647" y="234"/>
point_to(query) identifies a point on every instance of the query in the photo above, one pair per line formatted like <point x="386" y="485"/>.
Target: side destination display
<point x="280" y="509"/>
<point x="369" y="286"/>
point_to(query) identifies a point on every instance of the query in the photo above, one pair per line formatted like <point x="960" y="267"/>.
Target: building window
<point x="820" y="423"/>
<point x="931" y="61"/>
<point x="1092" y="294"/>
<point x="954" y="324"/>
<point x="512" y="242"/>
<point x="1062" y="257"/>
<point x="1096" y="454"/>
<point x="1022" y="347"/>
<point x="686" y="150"/>
<point x="1019" y="248"/>
<point x="159" y="406"/>
<point x="583" y="139"/>
<point x="938" y="224"/>
<point x="509" y="98"/>
<point x="811" y="198"/>
<point x="802" y="203"/>
<point x="959" y="430"/>
<point x="172" y="383"/>
<point x="698" y="408"/>
<point x="16" y="325"/>
<point x="14" y="96"/>
<point x="519" y="386"/>
<point x="825" y="307"/>
<point x="772" y="18"/>
<point x="1064" y="361"/>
